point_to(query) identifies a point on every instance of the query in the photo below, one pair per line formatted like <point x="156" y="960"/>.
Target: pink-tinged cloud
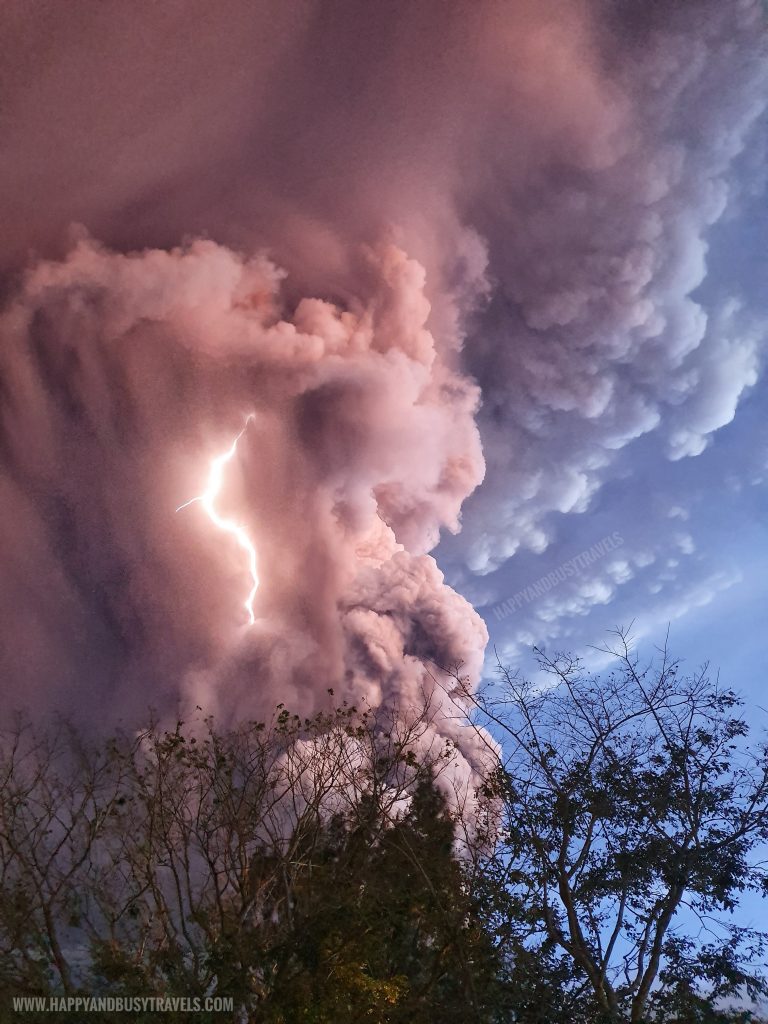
<point x="385" y="231"/>
<point x="125" y="377"/>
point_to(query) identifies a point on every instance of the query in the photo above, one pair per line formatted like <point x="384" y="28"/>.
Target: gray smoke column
<point x="384" y="232"/>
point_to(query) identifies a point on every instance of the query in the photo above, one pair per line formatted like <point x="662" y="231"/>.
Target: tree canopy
<point x="635" y="817"/>
<point x="326" y="871"/>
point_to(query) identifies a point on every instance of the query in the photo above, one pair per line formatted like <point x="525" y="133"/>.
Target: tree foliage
<point x="333" y="871"/>
<point x="635" y="805"/>
<point x="305" y="868"/>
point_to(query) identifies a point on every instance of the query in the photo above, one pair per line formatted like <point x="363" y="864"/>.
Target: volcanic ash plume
<point x="554" y="169"/>
<point x="125" y="376"/>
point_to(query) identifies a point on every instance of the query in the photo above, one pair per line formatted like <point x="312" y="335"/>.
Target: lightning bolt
<point x="208" y="500"/>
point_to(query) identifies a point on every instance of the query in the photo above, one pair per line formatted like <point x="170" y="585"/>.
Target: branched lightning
<point x="208" y="499"/>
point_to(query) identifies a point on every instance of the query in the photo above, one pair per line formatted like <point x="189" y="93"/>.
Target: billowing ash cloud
<point x="124" y="376"/>
<point x="596" y="333"/>
<point x="387" y="231"/>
